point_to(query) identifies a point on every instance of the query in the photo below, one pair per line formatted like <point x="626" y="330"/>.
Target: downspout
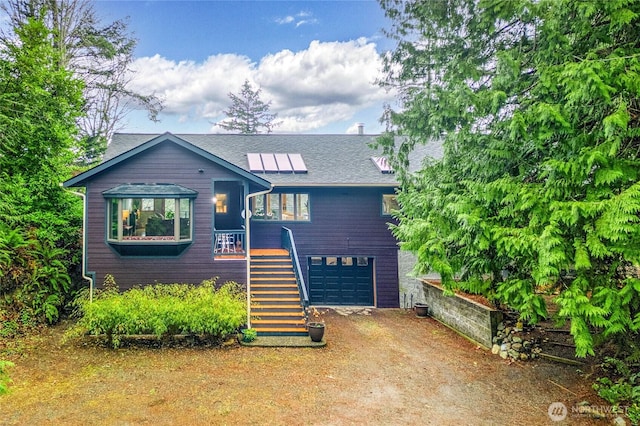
<point x="247" y="245"/>
<point x="84" y="242"/>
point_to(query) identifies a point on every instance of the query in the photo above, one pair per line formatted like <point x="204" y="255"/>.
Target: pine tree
<point x="248" y="113"/>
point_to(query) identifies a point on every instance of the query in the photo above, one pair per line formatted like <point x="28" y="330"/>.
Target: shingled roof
<point x="331" y="160"/>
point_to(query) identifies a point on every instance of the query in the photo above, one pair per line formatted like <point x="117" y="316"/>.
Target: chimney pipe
<point x="361" y="128"/>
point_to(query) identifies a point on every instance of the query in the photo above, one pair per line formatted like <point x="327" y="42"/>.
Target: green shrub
<point x="33" y="274"/>
<point x="622" y="388"/>
<point x="4" y="376"/>
<point x="164" y="309"/>
<point x="249" y="335"/>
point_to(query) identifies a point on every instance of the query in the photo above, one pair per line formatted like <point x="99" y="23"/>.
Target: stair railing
<point x="289" y="244"/>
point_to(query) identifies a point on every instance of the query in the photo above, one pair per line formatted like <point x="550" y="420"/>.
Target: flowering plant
<point x="314" y="317"/>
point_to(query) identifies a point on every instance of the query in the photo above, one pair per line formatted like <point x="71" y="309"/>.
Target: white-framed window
<point x="389" y="204"/>
<point x="282" y="207"/>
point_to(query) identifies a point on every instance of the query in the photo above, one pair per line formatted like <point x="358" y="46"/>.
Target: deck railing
<point x="228" y="242"/>
<point x="288" y="243"/>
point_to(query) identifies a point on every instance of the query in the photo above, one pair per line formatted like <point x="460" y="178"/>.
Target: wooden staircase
<point x="275" y="298"/>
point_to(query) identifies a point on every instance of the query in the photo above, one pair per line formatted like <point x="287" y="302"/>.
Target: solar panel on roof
<point x="255" y="162"/>
<point x="269" y="163"/>
<point x="284" y="166"/>
<point x="383" y="164"/>
<point x="297" y="163"/>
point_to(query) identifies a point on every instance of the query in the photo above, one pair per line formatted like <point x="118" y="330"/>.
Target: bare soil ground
<point x="388" y="368"/>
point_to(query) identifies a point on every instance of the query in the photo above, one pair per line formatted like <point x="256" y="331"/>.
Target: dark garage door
<point x="341" y="280"/>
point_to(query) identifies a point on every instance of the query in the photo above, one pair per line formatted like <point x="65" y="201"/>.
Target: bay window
<point x="147" y="216"/>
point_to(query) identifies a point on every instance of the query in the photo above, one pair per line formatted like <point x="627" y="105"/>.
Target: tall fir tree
<point x="248" y="114"/>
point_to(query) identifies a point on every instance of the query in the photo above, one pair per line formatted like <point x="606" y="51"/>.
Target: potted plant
<point x="315" y="325"/>
<point x="421" y="310"/>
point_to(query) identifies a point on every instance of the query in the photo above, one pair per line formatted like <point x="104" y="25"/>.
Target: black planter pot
<point x="421" y="309"/>
<point x="316" y="331"/>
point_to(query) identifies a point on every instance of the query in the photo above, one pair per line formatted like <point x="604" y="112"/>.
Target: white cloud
<point x="286" y="20"/>
<point x="301" y="18"/>
<point x="310" y="89"/>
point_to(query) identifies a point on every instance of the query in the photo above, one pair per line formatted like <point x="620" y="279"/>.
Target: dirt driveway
<point x="389" y="368"/>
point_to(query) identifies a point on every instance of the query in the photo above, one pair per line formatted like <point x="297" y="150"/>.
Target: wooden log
<point x="560" y="359"/>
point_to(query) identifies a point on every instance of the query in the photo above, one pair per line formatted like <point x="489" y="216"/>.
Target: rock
<point x="495" y="349"/>
<point x="524" y="357"/>
<point x="505" y="346"/>
<point x="501" y="326"/>
<point x="517" y="339"/>
<point x="507" y="330"/>
<point x="513" y="354"/>
<point x="504" y="354"/>
<point x="526" y="344"/>
<point x="516" y="346"/>
<point x="619" y="421"/>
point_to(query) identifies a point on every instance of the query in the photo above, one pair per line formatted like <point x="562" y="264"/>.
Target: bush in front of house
<point x="163" y="310"/>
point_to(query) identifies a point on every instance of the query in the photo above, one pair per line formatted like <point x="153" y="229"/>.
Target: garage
<point x="341" y="280"/>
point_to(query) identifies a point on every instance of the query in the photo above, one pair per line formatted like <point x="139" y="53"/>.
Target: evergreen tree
<point x="40" y="104"/>
<point x="98" y="54"/>
<point x="39" y="107"/>
<point x="248" y="113"/>
<point x="538" y="106"/>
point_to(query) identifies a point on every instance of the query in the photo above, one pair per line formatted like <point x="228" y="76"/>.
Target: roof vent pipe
<point x="361" y="128"/>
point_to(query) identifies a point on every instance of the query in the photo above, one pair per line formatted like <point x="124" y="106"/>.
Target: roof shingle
<point x="330" y="159"/>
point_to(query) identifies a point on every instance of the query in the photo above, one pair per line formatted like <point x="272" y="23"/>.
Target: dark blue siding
<point x="165" y="163"/>
<point x="344" y="222"/>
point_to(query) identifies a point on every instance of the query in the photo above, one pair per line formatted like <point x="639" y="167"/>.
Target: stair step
<point x="274" y="292"/>
<point x="275" y="306"/>
<point x="286" y="279"/>
<point x="269" y="265"/>
<point x="277" y="299"/>
<point x="280" y="258"/>
<point x="287" y="272"/>
<point x="274" y="287"/>
<point x="284" y="319"/>
<point x="298" y="314"/>
<point x="299" y="329"/>
<point x="277" y="321"/>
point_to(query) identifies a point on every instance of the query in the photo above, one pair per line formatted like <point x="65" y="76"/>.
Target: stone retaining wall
<point x="476" y="321"/>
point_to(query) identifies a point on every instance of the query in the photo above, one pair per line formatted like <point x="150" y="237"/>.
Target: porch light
<point x="214" y="200"/>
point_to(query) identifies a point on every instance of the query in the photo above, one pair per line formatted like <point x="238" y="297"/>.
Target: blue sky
<point x="316" y="61"/>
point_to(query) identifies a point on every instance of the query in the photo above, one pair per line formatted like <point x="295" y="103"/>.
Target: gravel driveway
<point x="385" y="368"/>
